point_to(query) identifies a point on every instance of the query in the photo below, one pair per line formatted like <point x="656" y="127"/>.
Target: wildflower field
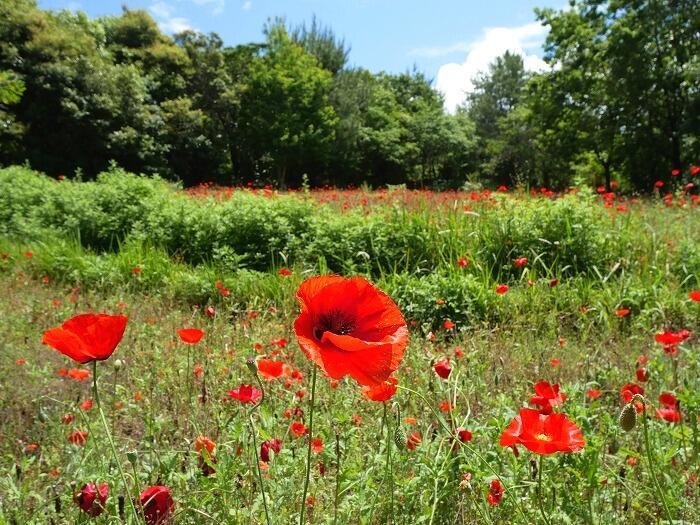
<point x="243" y="355"/>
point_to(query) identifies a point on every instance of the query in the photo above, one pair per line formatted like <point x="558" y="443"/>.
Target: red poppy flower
<point x="245" y="394"/>
<point x="67" y="419"/>
<point x="158" y="505"/>
<point x="593" y="393"/>
<point x="501" y="289"/>
<point x="629" y="390"/>
<point x="298" y="429"/>
<point x="87" y="337"/>
<point x="554" y="362"/>
<point x="642" y="375"/>
<point x="495" y="493"/>
<point x="463" y="262"/>
<point x="694" y="170"/>
<point x="464" y="435"/>
<point x="279" y="343"/>
<point x="349" y="327"/>
<point x="210" y="311"/>
<point x="543" y="434"/>
<point x="317" y="445"/>
<point x="622" y="312"/>
<point x="442" y="368"/>
<point x="190" y="336"/>
<point x="273" y="444"/>
<point x="675" y="172"/>
<point x="285" y="272"/>
<point x="548" y="396"/>
<point x="270" y="369"/>
<point x="671" y="340"/>
<point x="695" y="296"/>
<point x="382" y="391"/>
<point x="669" y="411"/>
<point x="91" y="499"/>
<point x="520" y="262"/>
<point x="78" y="374"/>
<point x="448" y="325"/>
<point x="659" y="184"/>
<point x="87" y="404"/>
<point x="78" y="437"/>
<point x="414" y="439"/>
<point x="204" y="443"/>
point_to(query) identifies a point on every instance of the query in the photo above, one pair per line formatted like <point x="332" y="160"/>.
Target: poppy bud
<point x="400" y="437"/>
<point x="131" y="456"/>
<point x="118" y="364"/>
<point x="628" y="417"/>
<point x="252" y="365"/>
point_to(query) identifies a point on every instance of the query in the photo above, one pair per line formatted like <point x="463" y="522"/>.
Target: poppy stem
<point x="111" y="441"/>
<point x="650" y="457"/>
<point x="308" y="452"/>
<point x="540" y="494"/>
<point x="389" y="468"/>
<point x="257" y="466"/>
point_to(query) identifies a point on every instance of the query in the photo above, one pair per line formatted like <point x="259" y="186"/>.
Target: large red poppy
<point x="349" y="327"/>
<point x="543" y="434"/>
<point x="87" y="337"/>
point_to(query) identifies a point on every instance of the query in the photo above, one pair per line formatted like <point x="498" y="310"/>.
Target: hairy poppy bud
<point x="131" y="456"/>
<point x="628" y="417"/>
<point x="400" y="437"/>
<point x="118" y="364"/>
<point x="252" y="365"/>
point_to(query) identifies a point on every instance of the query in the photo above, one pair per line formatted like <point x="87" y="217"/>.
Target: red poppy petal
<point x="68" y="344"/>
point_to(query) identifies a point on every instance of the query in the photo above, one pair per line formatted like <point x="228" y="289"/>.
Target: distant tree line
<point x="622" y="101"/>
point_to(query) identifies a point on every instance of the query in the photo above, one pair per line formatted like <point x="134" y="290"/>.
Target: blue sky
<point x="449" y="40"/>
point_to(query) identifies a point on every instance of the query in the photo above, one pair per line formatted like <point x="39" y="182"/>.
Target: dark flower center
<point x="335" y="322"/>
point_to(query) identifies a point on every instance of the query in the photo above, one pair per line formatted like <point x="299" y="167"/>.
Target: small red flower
<point x="349" y="327"/>
<point x="67" y="419"/>
<point x="675" y="172"/>
<point x="463" y="262"/>
<point x="669" y="411"/>
<point x="501" y="289"/>
<point x="91" y="499"/>
<point x="190" y="336"/>
<point x="659" y="184"/>
<point x="78" y="374"/>
<point x="547" y="396"/>
<point x="87" y="337"/>
<point x="464" y="435"/>
<point x="317" y="445"/>
<point x="87" y="404"/>
<point x="520" y="262"/>
<point x="285" y="272"/>
<point x="382" y="391"/>
<point x="593" y="393"/>
<point x="671" y="340"/>
<point x="245" y="394"/>
<point x="414" y="439"/>
<point x="298" y="429"/>
<point x="443" y="368"/>
<point x="622" y="312"/>
<point x="270" y="369"/>
<point x="642" y="375"/>
<point x="78" y="437"/>
<point x="543" y="434"/>
<point x="495" y="493"/>
<point x="274" y="445"/>
<point x="279" y="343"/>
<point x="695" y="296"/>
<point x="629" y="390"/>
<point x="448" y="325"/>
<point x="210" y="311"/>
<point x="158" y="505"/>
<point x="203" y="443"/>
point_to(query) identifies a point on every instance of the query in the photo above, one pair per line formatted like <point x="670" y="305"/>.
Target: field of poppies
<point x="243" y="355"/>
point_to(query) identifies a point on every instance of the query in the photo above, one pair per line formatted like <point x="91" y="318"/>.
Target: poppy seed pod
<point x="400" y="437"/>
<point x="628" y="417"/>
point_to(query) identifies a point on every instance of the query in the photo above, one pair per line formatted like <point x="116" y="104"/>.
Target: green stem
<point x="111" y="441"/>
<point x="257" y="466"/>
<point x="389" y="466"/>
<point x="650" y="459"/>
<point x="540" y="494"/>
<point x="308" y="452"/>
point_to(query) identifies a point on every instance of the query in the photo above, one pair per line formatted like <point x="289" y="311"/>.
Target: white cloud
<point x="161" y="10"/>
<point x="218" y="5"/>
<point x="247" y="6"/>
<point x="168" y="23"/>
<point x="176" y="24"/>
<point x="456" y="80"/>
